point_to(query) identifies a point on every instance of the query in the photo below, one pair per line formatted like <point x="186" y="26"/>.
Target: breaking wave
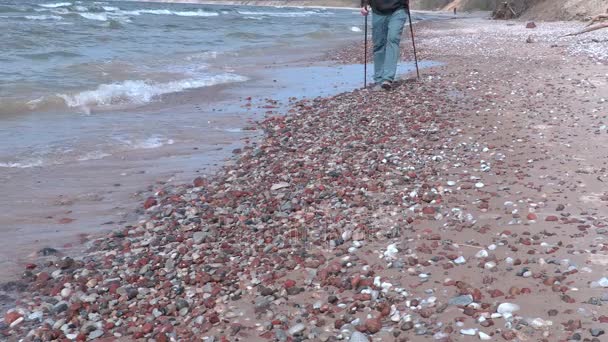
<point x="139" y="92"/>
<point x="43" y="17"/>
<point x="281" y="14"/>
<point x="94" y="16"/>
<point x="55" y="5"/>
<point x="199" y="13"/>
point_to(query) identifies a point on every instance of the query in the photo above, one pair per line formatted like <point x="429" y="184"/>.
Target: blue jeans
<point x="386" y="35"/>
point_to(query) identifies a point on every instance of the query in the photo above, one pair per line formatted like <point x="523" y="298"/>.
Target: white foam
<point x="95" y="16"/>
<point x="355" y="29"/>
<point x="198" y="13"/>
<point x="281" y="14"/>
<point x="153" y="142"/>
<point x="22" y="165"/>
<point x="43" y="17"/>
<point x="145" y="144"/>
<point x="55" y="5"/>
<point x="139" y="92"/>
<point x="94" y="155"/>
<point x="110" y="8"/>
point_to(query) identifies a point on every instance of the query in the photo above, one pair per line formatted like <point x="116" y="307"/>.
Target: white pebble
<point x="481" y="254"/>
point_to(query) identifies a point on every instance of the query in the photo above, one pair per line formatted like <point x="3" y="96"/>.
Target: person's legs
<point x="379" y="34"/>
<point x="395" y="25"/>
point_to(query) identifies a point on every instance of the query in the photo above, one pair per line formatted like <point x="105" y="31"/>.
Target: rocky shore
<point x="469" y="205"/>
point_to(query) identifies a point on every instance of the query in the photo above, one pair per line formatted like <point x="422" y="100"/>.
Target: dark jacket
<point x="385" y="6"/>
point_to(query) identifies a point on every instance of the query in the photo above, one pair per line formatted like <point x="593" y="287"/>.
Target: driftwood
<point x="598" y="18"/>
<point x="591" y="27"/>
<point x="504" y="11"/>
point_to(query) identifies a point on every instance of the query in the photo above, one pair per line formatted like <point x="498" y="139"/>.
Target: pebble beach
<point x="468" y="205"/>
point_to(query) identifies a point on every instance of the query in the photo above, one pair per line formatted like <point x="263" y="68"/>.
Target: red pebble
<point x="11" y="317"/>
<point x="551" y="218"/>
<point x="373" y="325"/>
<point x="199" y="182"/>
<point x="150" y="202"/>
<point x="147" y="328"/>
<point x="428" y="211"/>
<point x="289" y="283"/>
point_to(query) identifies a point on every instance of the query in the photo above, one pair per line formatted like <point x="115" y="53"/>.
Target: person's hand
<point x="364" y="11"/>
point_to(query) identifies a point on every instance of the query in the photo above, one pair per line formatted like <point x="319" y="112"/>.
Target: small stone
<point x="281" y="335"/>
<point x="468" y="332"/>
<point x="48" y="251"/>
<point x="507" y="308"/>
<point x="530" y="25"/>
<point x="95" y="334"/>
<point x="12" y="316"/>
<point x="595" y="332"/>
<point x="279" y="186"/>
<point x="460" y="260"/>
<point x="150" y="202"/>
<point x="484" y="337"/>
<point x="60" y="307"/>
<point x="199" y="237"/>
<point x="16" y="322"/>
<point x="147" y="328"/>
<point x="298" y="328"/>
<point x="407" y="326"/>
<point x="358" y="337"/>
<point x="508" y="335"/>
<point x="603" y="282"/>
<point x="463" y="300"/>
<point x="289" y="283"/>
<point x="481" y="254"/>
<point x="373" y="325"/>
<point x="199" y="182"/>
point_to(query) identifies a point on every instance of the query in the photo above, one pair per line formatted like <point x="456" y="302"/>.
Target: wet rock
<point x="150" y="202"/>
<point x="47" y="251"/>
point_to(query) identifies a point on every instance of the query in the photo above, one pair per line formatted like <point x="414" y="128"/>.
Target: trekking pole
<point x="413" y="42"/>
<point x="365" y="56"/>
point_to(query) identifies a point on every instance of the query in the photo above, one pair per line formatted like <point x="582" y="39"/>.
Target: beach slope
<point x="469" y="203"/>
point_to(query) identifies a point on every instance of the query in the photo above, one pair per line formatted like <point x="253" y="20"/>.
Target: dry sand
<point x="471" y="204"/>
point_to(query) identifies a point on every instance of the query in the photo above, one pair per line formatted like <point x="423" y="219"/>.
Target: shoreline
<point x="383" y="210"/>
<point x="257" y="3"/>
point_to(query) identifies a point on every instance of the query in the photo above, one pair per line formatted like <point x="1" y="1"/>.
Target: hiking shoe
<point x="377" y="87"/>
<point x="387" y="85"/>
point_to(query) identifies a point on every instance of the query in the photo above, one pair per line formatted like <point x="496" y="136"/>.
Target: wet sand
<point x="468" y="205"/>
